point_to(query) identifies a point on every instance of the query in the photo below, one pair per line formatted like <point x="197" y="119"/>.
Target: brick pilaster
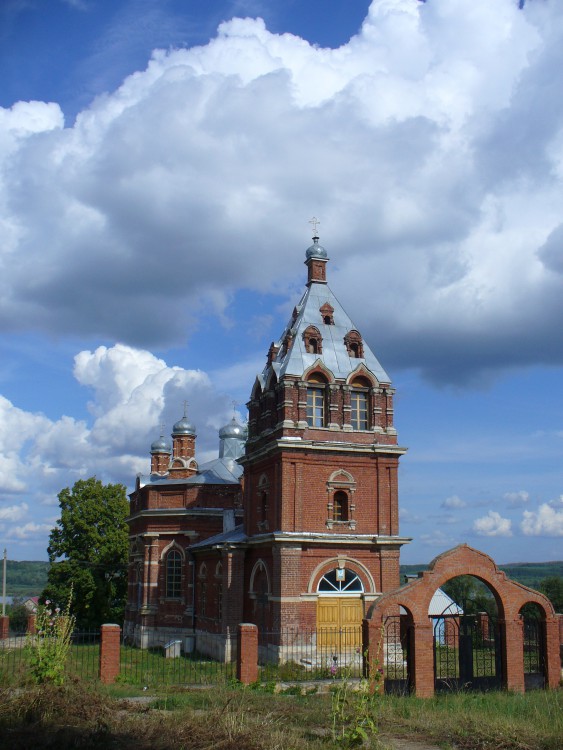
<point x="110" y="643"/>
<point x="513" y="653"/>
<point x="30" y="627"/>
<point x="4" y="627"/>
<point x="552" y="630"/>
<point x="423" y="660"/>
<point x="247" y="656"/>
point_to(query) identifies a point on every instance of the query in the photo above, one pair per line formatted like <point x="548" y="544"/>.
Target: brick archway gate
<point x="415" y="598"/>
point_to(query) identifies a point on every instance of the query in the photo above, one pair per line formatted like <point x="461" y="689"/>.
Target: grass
<point x="227" y="718"/>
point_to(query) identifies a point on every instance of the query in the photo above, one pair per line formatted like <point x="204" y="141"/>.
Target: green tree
<point x="18" y="613"/>
<point x="552" y="587"/>
<point x="471" y="594"/>
<point x="88" y="551"/>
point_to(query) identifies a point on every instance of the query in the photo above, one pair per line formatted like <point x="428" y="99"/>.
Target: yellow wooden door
<point x="339" y="621"/>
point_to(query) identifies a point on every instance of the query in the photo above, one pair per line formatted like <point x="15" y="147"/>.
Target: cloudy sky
<point x="159" y="162"/>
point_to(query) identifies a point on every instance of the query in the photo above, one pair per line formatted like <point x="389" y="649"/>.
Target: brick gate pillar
<point x="110" y="644"/>
<point x="30" y="627"/>
<point x="4" y="627"/>
<point x="423" y="660"/>
<point x="553" y="651"/>
<point x="512" y="640"/>
<point x="247" y="656"/>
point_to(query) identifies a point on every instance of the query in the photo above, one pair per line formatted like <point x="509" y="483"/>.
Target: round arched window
<point x="340" y="581"/>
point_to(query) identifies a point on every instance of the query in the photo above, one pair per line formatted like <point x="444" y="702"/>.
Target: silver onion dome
<point x="316" y="250"/>
<point x="233" y="430"/>
<point x="161" y="446"/>
<point x="183" y="427"/>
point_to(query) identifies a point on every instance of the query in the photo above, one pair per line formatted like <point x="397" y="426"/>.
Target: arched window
<point x="173" y="575"/>
<point x="359" y="404"/>
<point x="316" y="401"/>
<point x="340" y="581"/>
<point x="340" y="506"/>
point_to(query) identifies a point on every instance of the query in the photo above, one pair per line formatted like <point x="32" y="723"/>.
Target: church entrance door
<point x="340" y="610"/>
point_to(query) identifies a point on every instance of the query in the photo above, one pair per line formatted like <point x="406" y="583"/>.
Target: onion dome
<point x="183" y="427"/>
<point x="233" y="430"/>
<point x="316" y="251"/>
<point x="161" y="446"/>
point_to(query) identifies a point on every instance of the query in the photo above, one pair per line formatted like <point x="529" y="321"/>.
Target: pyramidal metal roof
<point x="296" y="360"/>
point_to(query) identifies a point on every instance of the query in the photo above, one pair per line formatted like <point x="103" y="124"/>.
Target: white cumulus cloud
<point x="546" y="521"/>
<point x="493" y="524"/>
<point x="515" y="499"/>
<point x="418" y="140"/>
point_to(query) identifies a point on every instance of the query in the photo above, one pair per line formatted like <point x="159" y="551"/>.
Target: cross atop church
<point x="185" y="409"/>
<point x="315" y="222"/>
<point x="162" y="426"/>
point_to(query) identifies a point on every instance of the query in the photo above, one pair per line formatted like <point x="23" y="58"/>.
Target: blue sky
<point x="159" y="163"/>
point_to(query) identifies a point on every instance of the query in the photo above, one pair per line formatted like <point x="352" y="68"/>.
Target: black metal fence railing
<point x="16" y="656"/>
<point x="310" y="654"/>
<point x="159" y="665"/>
<point x="394" y="655"/>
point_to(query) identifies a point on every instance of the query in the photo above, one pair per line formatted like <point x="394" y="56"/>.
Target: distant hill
<point x="25" y="578"/>
<point x="529" y="574"/>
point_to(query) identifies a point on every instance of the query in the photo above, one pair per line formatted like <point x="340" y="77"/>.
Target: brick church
<point x="296" y="523"/>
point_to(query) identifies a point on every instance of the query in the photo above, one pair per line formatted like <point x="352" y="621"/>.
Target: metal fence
<point x="310" y="654"/>
<point x="16" y="656"/>
<point x="170" y="666"/>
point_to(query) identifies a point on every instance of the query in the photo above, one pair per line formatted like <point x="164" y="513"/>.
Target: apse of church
<point x="315" y="539"/>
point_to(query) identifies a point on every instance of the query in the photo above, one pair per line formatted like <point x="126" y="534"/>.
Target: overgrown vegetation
<point x="236" y="718"/>
<point x="50" y="644"/>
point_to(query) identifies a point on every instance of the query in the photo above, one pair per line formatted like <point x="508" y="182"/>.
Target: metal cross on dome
<point x="162" y="426"/>
<point x="315" y="222"/>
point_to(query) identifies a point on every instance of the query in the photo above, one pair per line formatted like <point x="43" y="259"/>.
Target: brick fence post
<point x="4" y="627"/>
<point x="247" y="656"/>
<point x="110" y="643"/>
<point x="30" y="627"/>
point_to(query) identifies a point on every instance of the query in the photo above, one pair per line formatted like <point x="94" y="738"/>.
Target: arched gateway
<point x="512" y="599"/>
